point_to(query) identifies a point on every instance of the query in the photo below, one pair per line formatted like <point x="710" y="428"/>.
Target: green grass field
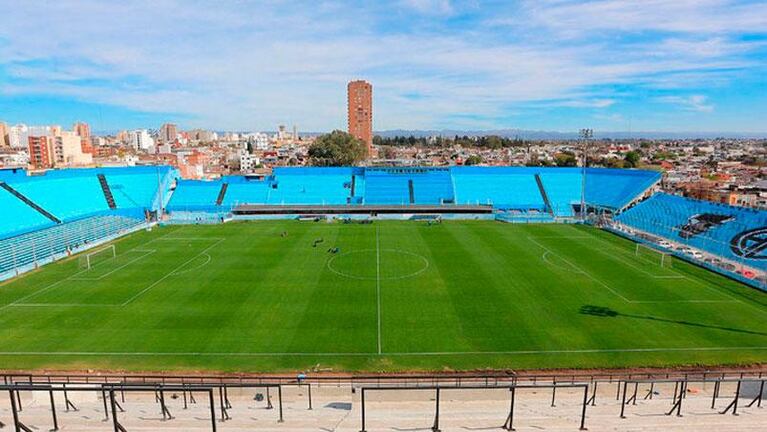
<point x="397" y="296"/>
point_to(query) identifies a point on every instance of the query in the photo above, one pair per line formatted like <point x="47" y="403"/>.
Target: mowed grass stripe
<point x="486" y="298"/>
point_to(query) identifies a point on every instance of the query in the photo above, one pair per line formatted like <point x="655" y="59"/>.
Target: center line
<point x="378" y="287"/>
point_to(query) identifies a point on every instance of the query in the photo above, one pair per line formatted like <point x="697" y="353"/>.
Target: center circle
<point x="383" y="264"/>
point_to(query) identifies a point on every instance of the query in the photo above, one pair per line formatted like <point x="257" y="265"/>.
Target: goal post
<point x="652" y="255"/>
<point x="90" y="259"/>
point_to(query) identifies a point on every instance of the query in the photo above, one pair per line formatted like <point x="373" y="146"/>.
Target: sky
<point x="558" y="65"/>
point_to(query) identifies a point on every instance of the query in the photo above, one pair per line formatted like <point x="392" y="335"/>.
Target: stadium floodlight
<point x="585" y="135"/>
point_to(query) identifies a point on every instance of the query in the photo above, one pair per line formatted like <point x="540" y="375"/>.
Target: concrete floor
<point x="338" y="409"/>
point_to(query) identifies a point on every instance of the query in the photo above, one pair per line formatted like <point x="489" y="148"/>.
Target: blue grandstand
<point x="323" y="186"/>
<point x="74" y="197"/>
<point x="555" y="191"/>
<point x="192" y="195"/>
<point x="614" y="189"/>
<point x="563" y="190"/>
<point x="406" y="186"/>
<point x="245" y="190"/>
<point x="19" y="217"/>
<point x="47" y="215"/>
<point x="500" y="187"/>
<point x="719" y="229"/>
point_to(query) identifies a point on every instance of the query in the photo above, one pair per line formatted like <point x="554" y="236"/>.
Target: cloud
<point x="693" y="103"/>
<point x="629" y="16"/>
<point x="594" y="103"/>
<point x="432" y="7"/>
<point x="252" y="65"/>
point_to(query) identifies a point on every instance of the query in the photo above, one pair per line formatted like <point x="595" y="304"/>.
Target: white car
<point x="696" y="254"/>
<point x="664" y="243"/>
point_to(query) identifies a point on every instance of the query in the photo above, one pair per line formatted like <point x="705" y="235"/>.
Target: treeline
<point x="490" y="141"/>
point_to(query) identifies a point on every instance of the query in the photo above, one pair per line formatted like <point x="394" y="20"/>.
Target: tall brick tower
<point x="360" y="107"/>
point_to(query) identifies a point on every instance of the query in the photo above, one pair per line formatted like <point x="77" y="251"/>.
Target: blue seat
<point x="616" y="188"/>
<point x="563" y="189"/>
<point x="18" y="217"/>
<point x="194" y="195"/>
<point x="41" y="246"/>
<point x="501" y="187"/>
<point x="669" y="216"/>
<point x="311" y="186"/>
<point x="67" y="198"/>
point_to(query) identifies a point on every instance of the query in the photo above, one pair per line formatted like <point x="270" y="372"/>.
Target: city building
<point x="360" y="111"/>
<point x="259" y="140"/>
<point x="41" y="152"/>
<point x="68" y="150"/>
<point x="123" y="136"/>
<point x="248" y="162"/>
<point x="82" y="130"/>
<point x="17" y="136"/>
<point x="168" y="132"/>
<point x="3" y="135"/>
<point x="140" y="139"/>
<point x="202" y="135"/>
<point x="62" y="150"/>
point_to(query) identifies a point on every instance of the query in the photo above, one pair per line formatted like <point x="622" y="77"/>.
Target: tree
<point x="632" y="159"/>
<point x="337" y="148"/>
<point x="565" y="160"/>
<point x="473" y="160"/>
<point x="389" y="152"/>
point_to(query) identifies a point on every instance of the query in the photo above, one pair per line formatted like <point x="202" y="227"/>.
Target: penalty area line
<point x="171" y="273"/>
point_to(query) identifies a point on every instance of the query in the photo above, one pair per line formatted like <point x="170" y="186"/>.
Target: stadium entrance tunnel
<point x="383" y="264"/>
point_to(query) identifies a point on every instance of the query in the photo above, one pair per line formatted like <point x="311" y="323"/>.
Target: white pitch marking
<point x="167" y="275"/>
<point x="378" y="287"/>
<point x="207" y="261"/>
<point x="399" y="251"/>
<point x="188" y="238"/>
<point x="588" y="275"/>
<point x="54" y="284"/>
<point x="696" y="281"/>
<point x="347" y="354"/>
<point x="64" y="305"/>
<point x="147" y="253"/>
<point x="581" y="270"/>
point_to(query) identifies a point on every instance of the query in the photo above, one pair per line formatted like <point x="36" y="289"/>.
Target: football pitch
<point x="387" y="296"/>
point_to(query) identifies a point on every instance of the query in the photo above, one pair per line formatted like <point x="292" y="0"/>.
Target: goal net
<point x="652" y="255"/>
<point x="88" y="260"/>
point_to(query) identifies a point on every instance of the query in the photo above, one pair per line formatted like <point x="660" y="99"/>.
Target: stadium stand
<point x="246" y="190"/>
<point x="66" y="198"/>
<point x="42" y="246"/>
<point x="502" y="187"/>
<point x="18" y="217"/>
<point x="387" y="187"/>
<point x="406" y="186"/>
<point x="47" y="214"/>
<point x="325" y="186"/>
<point x="563" y="190"/>
<point x="433" y="187"/>
<point x="134" y="190"/>
<point x="191" y="195"/>
<point x="710" y="227"/>
<point x="616" y="188"/>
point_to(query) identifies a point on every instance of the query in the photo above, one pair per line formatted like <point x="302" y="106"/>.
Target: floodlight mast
<point x="585" y="135"/>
